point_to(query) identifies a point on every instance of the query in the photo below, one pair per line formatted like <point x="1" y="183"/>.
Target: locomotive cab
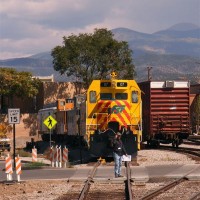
<point x="112" y="106"/>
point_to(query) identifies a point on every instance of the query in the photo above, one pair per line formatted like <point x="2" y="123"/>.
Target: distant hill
<point x="173" y="53"/>
<point x="179" y="39"/>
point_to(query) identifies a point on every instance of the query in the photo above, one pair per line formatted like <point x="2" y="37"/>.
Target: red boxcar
<point x="165" y="111"/>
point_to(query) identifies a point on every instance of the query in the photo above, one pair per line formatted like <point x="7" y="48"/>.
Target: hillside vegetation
<point x="173" y="53"/>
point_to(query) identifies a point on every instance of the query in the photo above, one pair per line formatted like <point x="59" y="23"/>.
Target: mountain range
<point x="173" y="53"/>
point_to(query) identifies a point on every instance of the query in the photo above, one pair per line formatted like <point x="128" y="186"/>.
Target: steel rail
<point x="195" y="197"/>
<point x="128" y="191"/>
<point x="197" y="142"/>
<point x="191" y="151"/>
<point x="163" y="189"/>
<point x="168" y="186"/>
<point x="88" y="182"/>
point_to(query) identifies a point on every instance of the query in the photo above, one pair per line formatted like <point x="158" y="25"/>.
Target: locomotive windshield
<point x="121" y="96"/>
<point x="106" y="96"/>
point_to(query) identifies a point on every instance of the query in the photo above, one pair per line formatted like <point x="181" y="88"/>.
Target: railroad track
<point x="186" y="150"/>
<point x="192" y="141"/>
<point x="190" y="151"/>
<point x="169" y="186"/>
<point x="104" y="191"/>
<point x="86" y="188"/>
<point x="115" y="190"/>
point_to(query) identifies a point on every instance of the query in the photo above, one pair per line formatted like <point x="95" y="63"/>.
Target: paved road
<point x="45" y="173"/>
<point x="106" y="172"/>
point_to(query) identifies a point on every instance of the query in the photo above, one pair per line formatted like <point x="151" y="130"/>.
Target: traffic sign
<point x="50" y="122"/>
<point x="13" y="115"/>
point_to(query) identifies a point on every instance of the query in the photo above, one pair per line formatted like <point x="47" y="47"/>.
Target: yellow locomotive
<point x="113" y="106"/>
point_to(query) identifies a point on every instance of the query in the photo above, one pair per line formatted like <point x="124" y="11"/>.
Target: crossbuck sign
<point x="13" y="115"/>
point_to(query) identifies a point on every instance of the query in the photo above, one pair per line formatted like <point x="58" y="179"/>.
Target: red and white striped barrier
<point x="60" y="157"/>
<point x="51" y="156"/>
<point x="34" y="155"/>
<point x="56" y="156"/>
<point x="18" y="167"/>
<point x="8" y="169"/>
<point x="65" y="156"/>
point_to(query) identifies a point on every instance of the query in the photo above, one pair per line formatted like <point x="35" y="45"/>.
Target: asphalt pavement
<point x="105" y="173"/>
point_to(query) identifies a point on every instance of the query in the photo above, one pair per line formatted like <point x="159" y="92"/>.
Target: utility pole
<point x="149" y="75"/>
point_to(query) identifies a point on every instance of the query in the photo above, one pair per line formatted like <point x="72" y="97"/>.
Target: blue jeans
<point x="118" y="163"/>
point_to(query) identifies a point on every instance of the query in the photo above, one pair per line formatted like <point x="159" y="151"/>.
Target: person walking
<point x="118" y="152"/>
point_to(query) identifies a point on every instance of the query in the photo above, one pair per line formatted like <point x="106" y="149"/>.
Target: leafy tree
<point x="19" y="84"/>
<point x="93" y="56"/>
<point x="4" y="128"/>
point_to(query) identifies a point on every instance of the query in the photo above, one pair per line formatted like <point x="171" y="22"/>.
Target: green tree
<point x="19" y="84"/>
<point x="93" y="56"/>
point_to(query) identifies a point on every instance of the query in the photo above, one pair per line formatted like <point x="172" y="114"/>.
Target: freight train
<point x="113" y="106"/>
<point x="166" y="112"/>
<point x="152" y="111"/>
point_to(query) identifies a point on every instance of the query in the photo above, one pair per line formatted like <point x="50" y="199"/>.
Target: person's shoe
<point x="120" y="175"/>
<point x="116" y="176"/>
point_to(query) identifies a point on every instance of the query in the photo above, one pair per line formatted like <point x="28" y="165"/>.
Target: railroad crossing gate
<point x="50" y="122"/>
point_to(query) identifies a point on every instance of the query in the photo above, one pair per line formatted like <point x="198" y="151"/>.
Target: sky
<point x="29" y="27"/>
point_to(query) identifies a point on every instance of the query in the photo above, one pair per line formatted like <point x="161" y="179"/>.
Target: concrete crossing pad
<point x="189" y="170"/>
<point x="139" y="174"/>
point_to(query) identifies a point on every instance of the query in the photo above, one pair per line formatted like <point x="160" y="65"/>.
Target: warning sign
<point x="50" y="122"/>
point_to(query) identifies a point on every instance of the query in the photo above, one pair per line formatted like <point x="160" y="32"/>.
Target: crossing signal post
<point x="50" y="122"/>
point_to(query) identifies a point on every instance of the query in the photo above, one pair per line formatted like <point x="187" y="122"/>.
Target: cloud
<point x="154" y="50"/>
<point x="32" y="26"/>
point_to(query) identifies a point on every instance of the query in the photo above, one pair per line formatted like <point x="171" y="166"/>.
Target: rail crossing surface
<point x="106" y="173"/>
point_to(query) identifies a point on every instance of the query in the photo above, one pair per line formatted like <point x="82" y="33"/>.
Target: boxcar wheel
<point x="173" y="144"/>
<point x="177" y="143"/>
<point x="158" y="144"/>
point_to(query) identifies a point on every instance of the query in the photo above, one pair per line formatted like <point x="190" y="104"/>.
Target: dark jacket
<point x="118" y="147"/>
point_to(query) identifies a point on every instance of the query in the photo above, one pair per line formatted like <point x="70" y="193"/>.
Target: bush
<point x="23" y="153"/>
<point x="34" y="165"/>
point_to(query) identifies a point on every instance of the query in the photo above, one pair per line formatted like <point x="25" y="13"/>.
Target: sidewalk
<point x="29" y="159"/>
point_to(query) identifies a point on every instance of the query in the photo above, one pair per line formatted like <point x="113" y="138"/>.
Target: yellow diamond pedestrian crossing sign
<point x="50" y="122"/>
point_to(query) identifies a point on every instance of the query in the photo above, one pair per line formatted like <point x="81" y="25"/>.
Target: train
<point x="110" y="106"/>
<point x="166" y="112"/>
<point x="113" y="106"/>
<point x="70" y="117"/>
<point x="153" y="111"/>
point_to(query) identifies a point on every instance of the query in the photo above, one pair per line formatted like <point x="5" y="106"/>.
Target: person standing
<point x="118" y="152"/>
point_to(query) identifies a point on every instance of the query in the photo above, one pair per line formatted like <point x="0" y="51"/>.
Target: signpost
<point x="50" y="122"/>
<point x="14" y="118"/>
<point x="13" y="115"/>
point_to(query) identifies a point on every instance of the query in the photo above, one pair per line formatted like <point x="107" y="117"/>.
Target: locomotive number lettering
<point x="122" y="84"/>
<point x="105" y="84"/>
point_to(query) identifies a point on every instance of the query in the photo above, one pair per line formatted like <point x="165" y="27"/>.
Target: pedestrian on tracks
<point x="118" y="152"/>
